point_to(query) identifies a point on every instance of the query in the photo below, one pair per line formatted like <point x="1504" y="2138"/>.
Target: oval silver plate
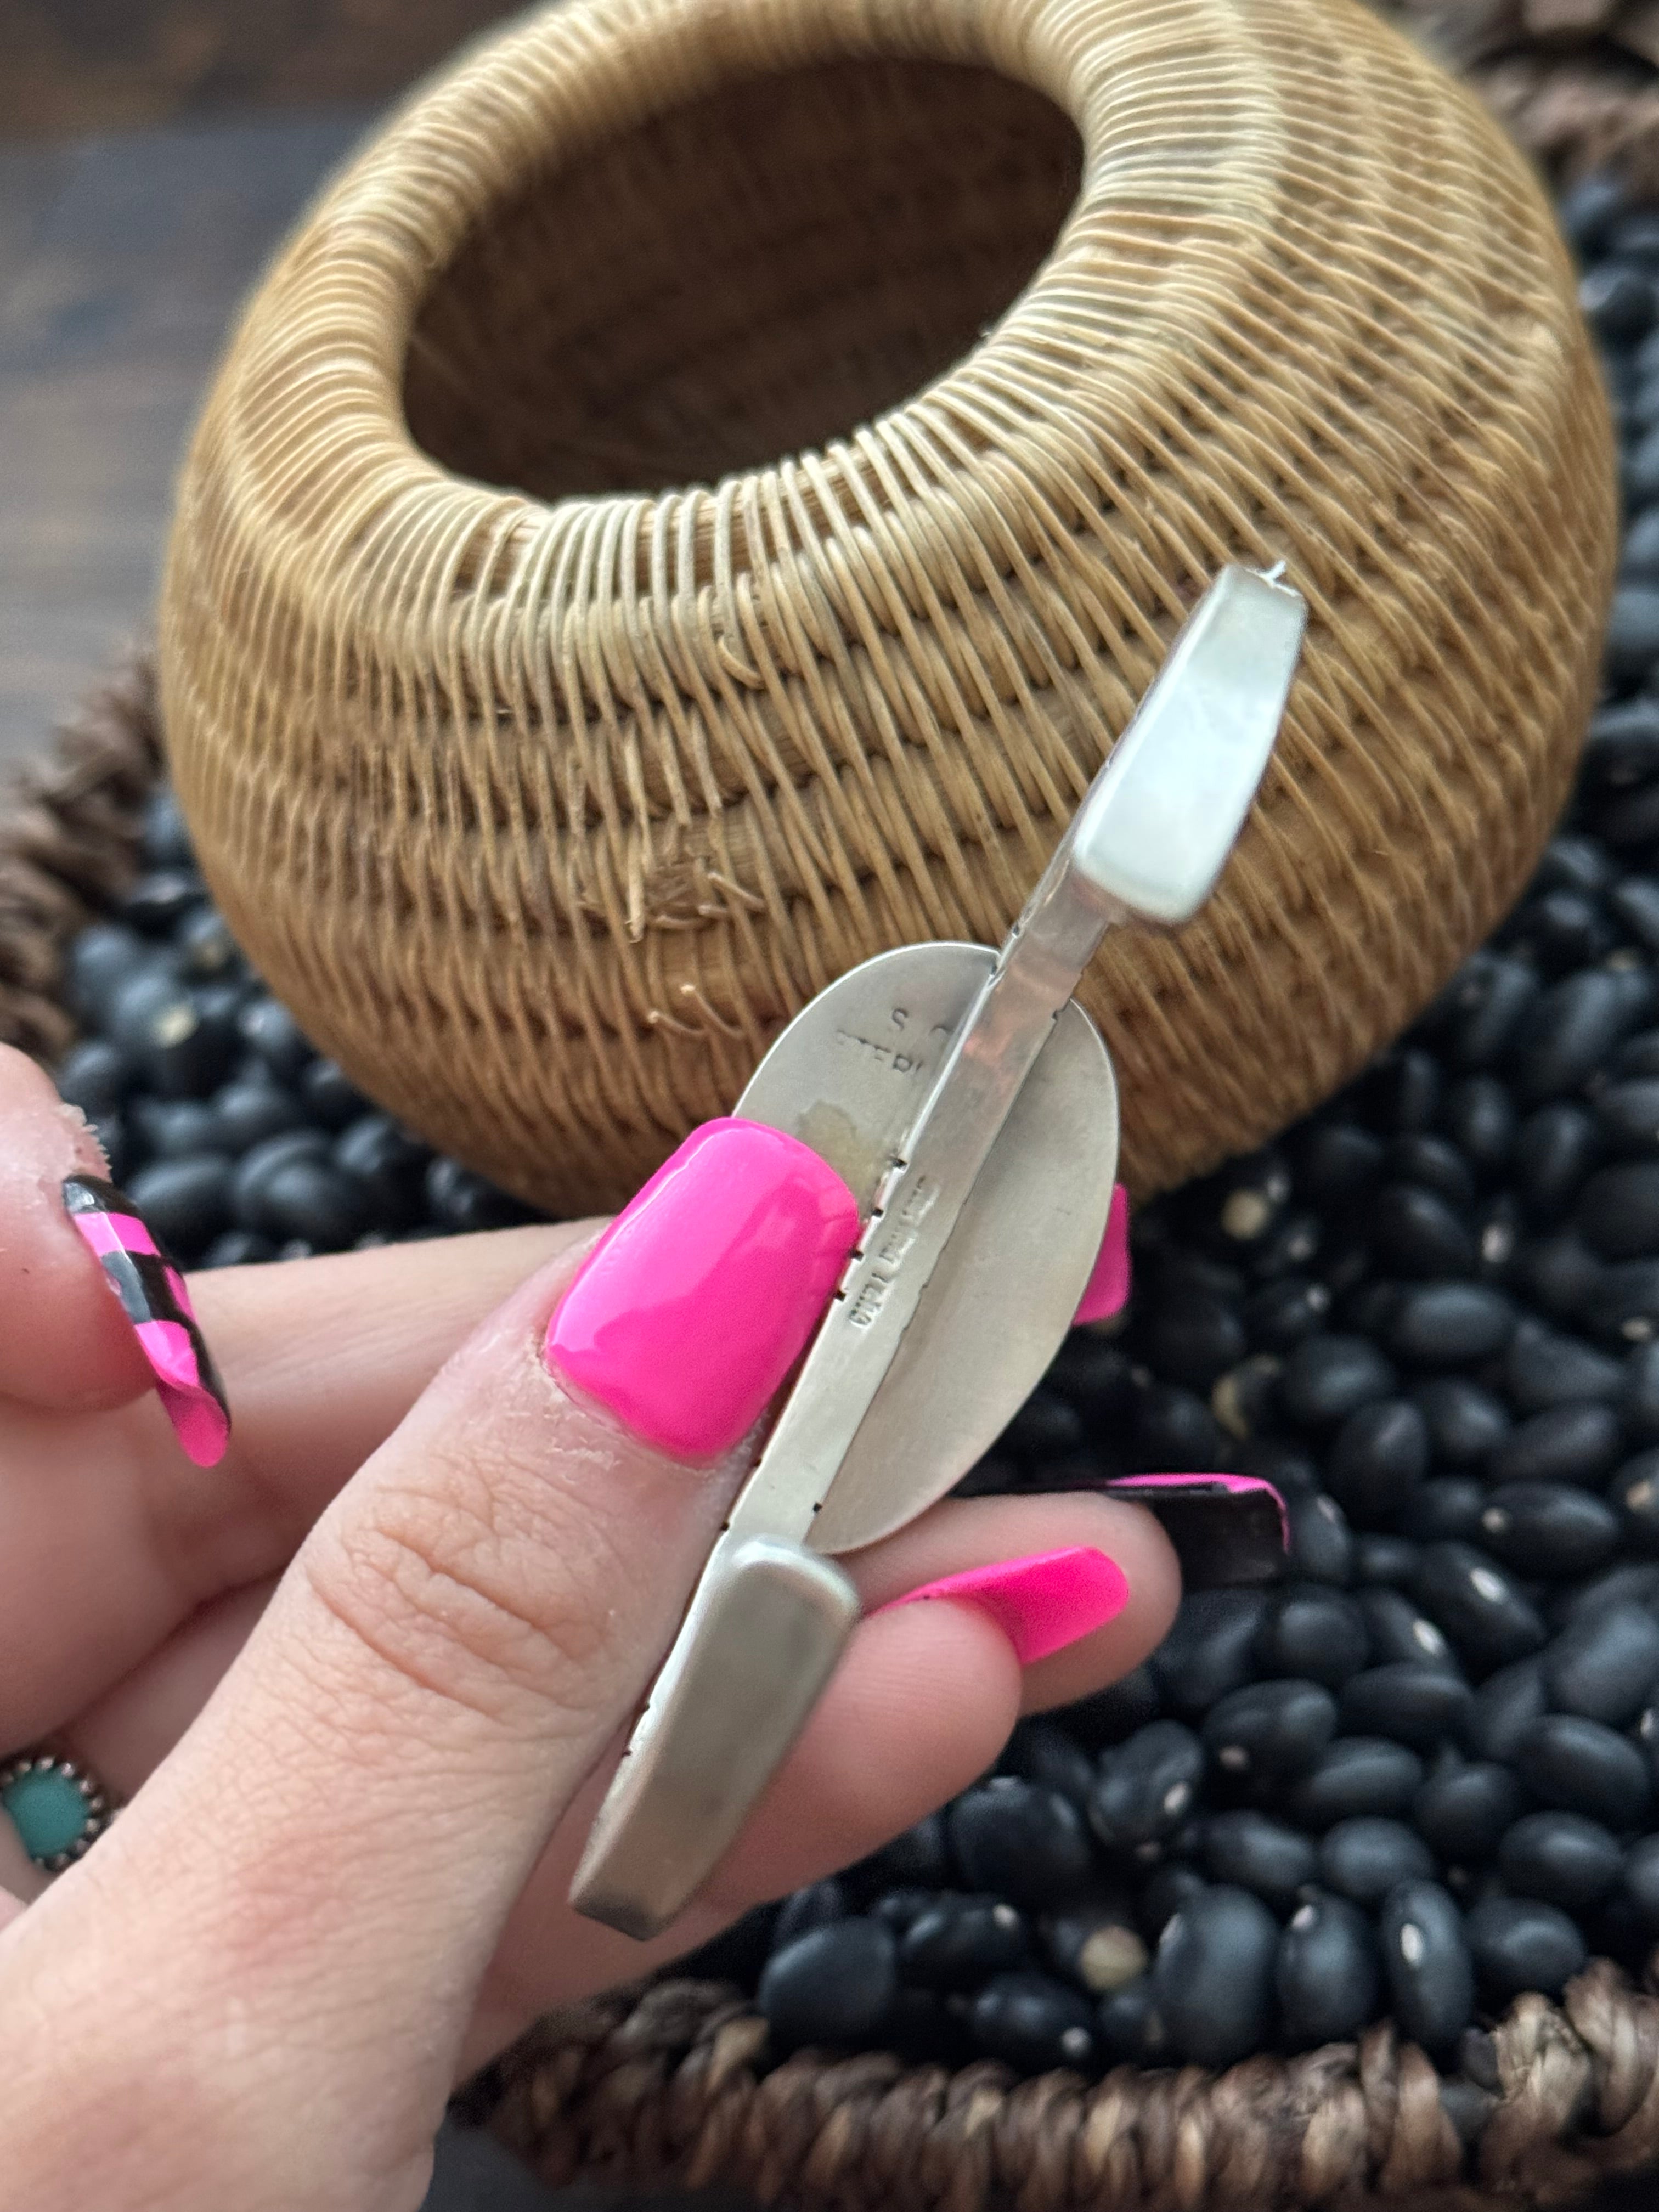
<point x="848" y="1077"/>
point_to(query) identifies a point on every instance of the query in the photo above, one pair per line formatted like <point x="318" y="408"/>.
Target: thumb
<point x="296" y="1913"/>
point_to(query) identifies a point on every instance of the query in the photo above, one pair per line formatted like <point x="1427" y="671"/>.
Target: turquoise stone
<point x="48" y="1812"/>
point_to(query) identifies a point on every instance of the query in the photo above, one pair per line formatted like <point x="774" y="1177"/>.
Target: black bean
<point x="1450" y="1324"/>
<point x="1426" y="1957"/>
<point x="1465" y="1423"/>
<point x="1213" y="1977"/>
<point x="160" y="900"/>
<point x="95" y="1075"/>
<point x="1168" y="1888"/>
<point x="1639" y="1401"/>
<point x="1561" y="1857"/>
<point x="1544" y="1368"/>
<point x="1023" y="1842"/>
<point x="1046" y="1426"/>
<point x="174" y="1128"/>
<point x="1364" y="1859"/>
<point x="958" y="1941"/>
<point x="1560" y="1273"/>
<point x="1312" y="1631"/>
<point x="1634" y="1495"/>
<point x="1462" y="1812"/>
<point x="1097" y="1946"/>
<point x="1635" y="901"/>
<point x="1095" y="1375"/>
<point x="815" y="1906"/>
<point x="1546" y="1528"/>
<point x="1449" y="1509"/>
<point x="1042" y="1751"/>
<point x="309" y="1199"/>
<point x="1641" y="1880"/>
<point x="1034" y="2022"/>
<point x="1148" y="1786"/>
<point x="1617" y="1211"/>
<point x="1326" y="1378"/>
<point x="1338" y="1161"/>
<point x="1478" y="1115"/>
<point x="269" y="1030"/>
<point x="1518" y="1944"/>
<point x="1554" y="1150"/>
<point x="1211" y="1650"/>
<point x="185" y="1202"/>
<point x="1623" y="1305"/>
<point x="248" y="1114"/>
<point x="1635" y="1582"/>
<point x="1415" y="1704"/>
<point x="1247" y="1195"/>
<point x="1281" y="1313"/>
<point x="1397" y="1632"/>
<point x="1617" y="301"/>
<point x="1130" y="2026"/>
<point x="1243" y="1399"/>
<point x="1584" y="1767"/>
<point x="1270" y="1732"/>
<point x="1561" y="929"/>
<point x="1488" y="998"/>
<point x="1113" y="1715"/>
<point x="919" y="1858"/>
<point x="1387" y="1560"/>
<point x="1633" y="818"/>
<point x="834" y="1985"/>
<point x="101" y="960"/>
<point x="1604" y="1666"/>
<point x="1328" y="1976"/>
<point x="1321" y="1546"/>
<point x="256" y="1167"/>
<point x="1505" y="1706"/>
<point x="1588" y="210"/>
<point x="1628" y="1114"/>
<point x="165" y="842"/>
<point x="238" y="1248"/>
<point x="178" y="1052"/>
<point x="1559" y="1038"/>
<point x="1253" y="1852"/>
<point x="1355" y="1776"/>
<point x="460" y="1200"/>
<point x="205" y="947"/>
<point x="1631" y="642"/>
<point x="332" y="1099"/>
<point x="1429" y="1163"/>
<point x="1380" y="1455"/>
<point x="1576" y="1443"/>
<point x="1477" y="1606"/>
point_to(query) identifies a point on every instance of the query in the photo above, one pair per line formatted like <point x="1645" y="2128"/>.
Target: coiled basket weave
<point x="698" y="498"/>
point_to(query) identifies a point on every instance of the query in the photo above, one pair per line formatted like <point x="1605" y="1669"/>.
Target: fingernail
<point x="1226" y="1528"/>
<point x="701" y="1294"/>
<point x="1042" y="1603"/>
<point x="1107" y="1291"/>
<point x="154" y="1300"/>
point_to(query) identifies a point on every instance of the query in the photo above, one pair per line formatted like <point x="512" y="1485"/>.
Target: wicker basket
<point x="544" y="795"/>
<point x="670" y="2083"/>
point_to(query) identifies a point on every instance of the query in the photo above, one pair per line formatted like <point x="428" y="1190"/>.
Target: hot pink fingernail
<point x="701" y="1294"/>
<point x="1042" y="1603"/>
<point x="1107" y="1291"/>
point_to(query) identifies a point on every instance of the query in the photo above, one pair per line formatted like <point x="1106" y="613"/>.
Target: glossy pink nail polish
<point x="1042" y="1603"/>
<point x="701" y="1294"/>
<point x="1107" y="1291"/>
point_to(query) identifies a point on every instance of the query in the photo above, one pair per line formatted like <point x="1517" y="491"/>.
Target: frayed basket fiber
<point x="545" y="783"/>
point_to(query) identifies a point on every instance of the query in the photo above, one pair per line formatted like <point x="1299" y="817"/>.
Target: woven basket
<point x="544" y="795"/>
<point x="671" y="2085"/>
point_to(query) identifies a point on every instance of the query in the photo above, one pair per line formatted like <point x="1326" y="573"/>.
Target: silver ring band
<point x="58" y="1808"/>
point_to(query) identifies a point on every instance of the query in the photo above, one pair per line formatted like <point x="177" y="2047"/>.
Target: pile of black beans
<point x="1420" y="1773"/>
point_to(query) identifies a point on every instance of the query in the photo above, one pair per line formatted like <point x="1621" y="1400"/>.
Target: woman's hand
<point x="364" y="1681"/>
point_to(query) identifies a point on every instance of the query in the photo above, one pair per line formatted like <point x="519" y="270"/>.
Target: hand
<point x="364" y="1680"/>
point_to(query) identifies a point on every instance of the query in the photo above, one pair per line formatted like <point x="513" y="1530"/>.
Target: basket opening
<point x="742" y="277"/>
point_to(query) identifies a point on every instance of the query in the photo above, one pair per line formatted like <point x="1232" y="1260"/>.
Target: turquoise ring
<point x="58" y="1809"/>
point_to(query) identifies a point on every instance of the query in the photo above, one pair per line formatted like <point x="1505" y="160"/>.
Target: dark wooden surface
<point x="78" y="65"/>
<point x="123" y="257"/>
